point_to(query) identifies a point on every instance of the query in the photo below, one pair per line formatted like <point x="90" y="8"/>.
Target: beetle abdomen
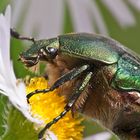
<point x="127" y="76"/>
<point x="90" y="47"/>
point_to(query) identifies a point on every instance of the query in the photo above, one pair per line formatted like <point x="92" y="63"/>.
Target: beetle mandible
<point x="98" y="76"/>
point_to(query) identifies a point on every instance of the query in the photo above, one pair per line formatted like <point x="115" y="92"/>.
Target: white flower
<point x="9" y="86"/>
<point x="46" y="18"/>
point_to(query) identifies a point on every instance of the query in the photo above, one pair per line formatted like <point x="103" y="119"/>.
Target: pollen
<point x="48" y="106"/>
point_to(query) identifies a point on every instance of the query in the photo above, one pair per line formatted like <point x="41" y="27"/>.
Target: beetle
<point x="98" y="76"/>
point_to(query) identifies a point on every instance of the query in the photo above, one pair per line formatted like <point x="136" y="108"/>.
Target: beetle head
<point x="40" y="50"/>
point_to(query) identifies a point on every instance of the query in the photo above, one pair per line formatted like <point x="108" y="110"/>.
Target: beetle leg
<point x="18" y="36"/>
<point x="66" y="77"/>
<point x="69" y="105"/>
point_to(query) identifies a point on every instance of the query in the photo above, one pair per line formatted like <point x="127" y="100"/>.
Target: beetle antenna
<point x="18" y="36"/>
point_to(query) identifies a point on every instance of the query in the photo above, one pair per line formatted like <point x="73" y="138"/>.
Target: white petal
<point x="100" y="136"/>
<point x="135" y="3"/>
<point x="45" y="17"/>
<point x="17" y="11"/>
<point x="120" y="11"/>
<point x="51" y="136"/>
<point x="8" y="84"/>
<point x="8" y="15"/>
<point x="96" y="14"/>
<point x="5" y="43"/>
<point x="81" y="18"/>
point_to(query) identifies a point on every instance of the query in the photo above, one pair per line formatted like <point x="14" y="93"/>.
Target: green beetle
<point x="98" y="76"/>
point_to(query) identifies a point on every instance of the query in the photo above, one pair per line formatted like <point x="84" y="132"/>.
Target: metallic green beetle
<point x="98" y="76"/>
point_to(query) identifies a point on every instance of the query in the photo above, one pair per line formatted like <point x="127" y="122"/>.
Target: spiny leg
<point x="66" y="77"/>
<point x="18" y="36"/>
<point x="69" y="105"/>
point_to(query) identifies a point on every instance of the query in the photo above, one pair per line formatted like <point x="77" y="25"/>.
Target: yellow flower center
<point x="48" y="106"/>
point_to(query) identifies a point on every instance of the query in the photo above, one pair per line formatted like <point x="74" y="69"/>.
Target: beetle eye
<point x="51" y="51"/>
<point x="48" y="52"/>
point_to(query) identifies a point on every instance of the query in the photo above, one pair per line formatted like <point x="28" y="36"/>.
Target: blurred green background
<point x="129" y="36"/>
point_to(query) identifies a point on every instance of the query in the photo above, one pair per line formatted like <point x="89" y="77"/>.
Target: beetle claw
<point x="36" y="92"/>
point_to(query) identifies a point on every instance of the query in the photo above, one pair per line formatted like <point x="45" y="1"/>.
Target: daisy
<point x="49" y="18"/>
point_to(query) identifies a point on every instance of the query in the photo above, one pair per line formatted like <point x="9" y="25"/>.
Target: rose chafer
<point x="98" y="76"/>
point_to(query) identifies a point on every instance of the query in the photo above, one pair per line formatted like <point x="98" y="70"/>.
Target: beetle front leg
<point x="18" y="36"/>
<point x="66" y="77"/>
<point x="70" y="103"/>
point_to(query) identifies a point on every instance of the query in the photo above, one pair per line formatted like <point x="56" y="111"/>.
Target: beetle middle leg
<point x="80" y="88"/>
<point x="66" y="77"/>
<point x="18" y="36"/>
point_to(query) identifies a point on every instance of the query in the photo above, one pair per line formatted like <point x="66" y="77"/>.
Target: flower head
<point x="47" y="106"/>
